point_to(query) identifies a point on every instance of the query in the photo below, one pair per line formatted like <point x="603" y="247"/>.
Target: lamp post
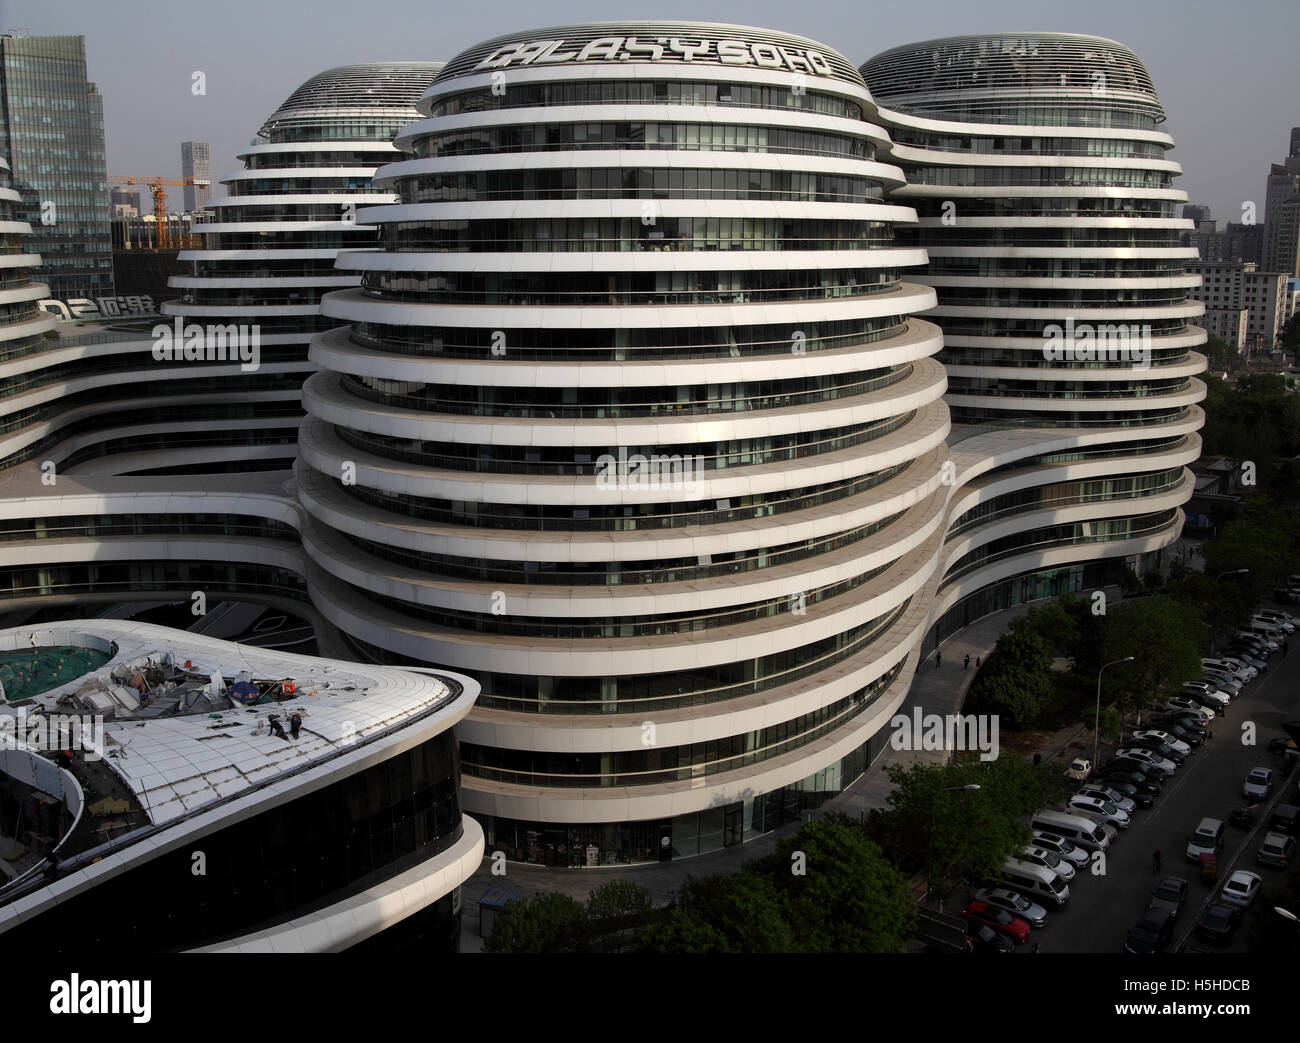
<point x="1096" y="725"/>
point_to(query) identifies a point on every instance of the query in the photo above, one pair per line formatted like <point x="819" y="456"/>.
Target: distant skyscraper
<point x="52" y="130"/>
<point x="120" y="197"/>
<point x="196" y="163"/>
<point x="1281" y="202"/>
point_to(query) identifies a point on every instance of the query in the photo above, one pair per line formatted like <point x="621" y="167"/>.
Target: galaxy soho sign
<point x="662" y="48"/>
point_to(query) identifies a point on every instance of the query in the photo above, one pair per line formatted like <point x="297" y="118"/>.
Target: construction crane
<point x="155" y="186"/>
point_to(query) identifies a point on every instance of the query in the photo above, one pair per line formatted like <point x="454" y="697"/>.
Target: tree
<point x="616" y="911"/>
<point x="1221" y="354"/>
<point x="1016" y="682"/>
<point x="954" y="836"/>
<point x="1163" y="635"/>
<point x="549" y="922"/>
<point x="736" y="912"/>
<point x="848" y="898"/>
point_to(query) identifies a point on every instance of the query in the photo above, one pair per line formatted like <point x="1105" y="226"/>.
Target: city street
<point x="1102" y="909"/>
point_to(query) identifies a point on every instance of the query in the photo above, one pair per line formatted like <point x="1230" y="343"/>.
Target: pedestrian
<point x="977" y="662"/>
<point x="295" y="723"/>
<point x="1034" y="950"/>
<point x="965" y="665"/>
<point x="937" y="659"/>
<point x="1155" y="860"/>
<point x="273" y="719"/>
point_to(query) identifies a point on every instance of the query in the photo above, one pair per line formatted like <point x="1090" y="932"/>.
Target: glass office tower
<point x="52" y="131"/>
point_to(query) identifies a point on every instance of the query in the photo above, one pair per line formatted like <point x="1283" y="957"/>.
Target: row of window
<point x="645" y="92"/>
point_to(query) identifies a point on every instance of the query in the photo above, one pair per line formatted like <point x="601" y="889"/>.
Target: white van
<point x="1075" y="828"/>
<point x="1035" y="882"/>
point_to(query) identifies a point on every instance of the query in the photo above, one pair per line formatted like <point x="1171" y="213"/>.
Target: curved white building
<point x="1046" y="203"/>
<point x="634" y="426"/>
<point x="341" y="830"/>
<point x="267" y="259"/>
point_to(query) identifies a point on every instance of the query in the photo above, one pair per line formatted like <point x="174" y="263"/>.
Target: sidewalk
<point x="934" y="689"/>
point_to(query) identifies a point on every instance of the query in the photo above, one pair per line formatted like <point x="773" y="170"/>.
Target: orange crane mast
<point x="155" y="186"/>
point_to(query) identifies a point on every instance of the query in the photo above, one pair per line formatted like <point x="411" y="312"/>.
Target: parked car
<point x="984" y="938"/>
<point x="1139" y="797"/>
<point x="1105" y="808"/>
<point x="1218" y="923"/>
<point x="1249" y="650"/>
<point x="1280" y="745"/>
<point x="1241" y="888"/>
<point x="1239" y="672"/>
<point x="1276" y="849"/>
<point x="1290" y="595"/>
<point x="1041" y="856"/>
<point x="1152" y="933"/>
<point x="1182" y="729"/>
<point x="984" y="914"/>
<point x="1163" y="743"/>
<point x="1183" y="723"/>
<point x="1279" y="619"/>
<point x="1149" y="784"/>
<point x="1067" y="849"/>
<point x="1104" y="792"/>
<point x="1206" y="840"/>
<point x="1203" y="693"/>
<point x="1160" y="764"/>
<point x="1258" y="784"/>
<point x="1222" y="681"/>
<point x="1189" y="705"/>
<point x="1271" y="644"/>
<point x="1014" y="903"/>
<point x="1170" y="894"/>
<point x="1080" y="768"/>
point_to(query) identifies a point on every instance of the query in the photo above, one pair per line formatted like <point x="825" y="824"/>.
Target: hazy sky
<point x="1227" y="72"/>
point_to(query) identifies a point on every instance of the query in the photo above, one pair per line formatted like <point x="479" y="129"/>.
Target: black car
<point x="984" y="939"/>
<point x="1126" y="765"/>
<point x="1127" y="789"/>
<point x="1175" y="727"/>
<point x="1218" y="923"/>
<point x="1171" y="895"/>
<point x="1133" y="777"/>
<point x="1186" y="723"/>
<point x="1152" y="933"/>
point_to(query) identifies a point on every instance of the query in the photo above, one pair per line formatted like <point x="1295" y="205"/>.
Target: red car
<point x="999" y="919"/>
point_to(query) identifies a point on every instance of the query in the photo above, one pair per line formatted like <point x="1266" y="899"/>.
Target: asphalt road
<point x="1103" y="908"/>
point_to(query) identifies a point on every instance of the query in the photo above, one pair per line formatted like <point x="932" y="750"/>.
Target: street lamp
<point x="1096" y="725"/>
<point x="1286" y="914"/>
<point x="1231" y="572"/>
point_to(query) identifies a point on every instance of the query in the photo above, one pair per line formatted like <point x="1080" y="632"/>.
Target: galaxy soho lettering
<point x="630" y="48"/>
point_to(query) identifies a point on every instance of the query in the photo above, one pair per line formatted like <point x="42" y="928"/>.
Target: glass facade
<point x="286" y="862"/>
<point x="52" y="131"/>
